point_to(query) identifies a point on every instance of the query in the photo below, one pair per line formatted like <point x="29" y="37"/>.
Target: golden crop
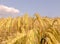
<point x="30" y="30"/>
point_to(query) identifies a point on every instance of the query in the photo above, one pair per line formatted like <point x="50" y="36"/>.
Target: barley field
<point x="30" y="30"/>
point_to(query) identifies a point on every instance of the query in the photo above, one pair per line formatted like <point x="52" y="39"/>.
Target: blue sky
<point x="50" y="8"/>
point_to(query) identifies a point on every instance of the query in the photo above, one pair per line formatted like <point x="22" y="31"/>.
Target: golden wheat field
<point x="30" y="30"/>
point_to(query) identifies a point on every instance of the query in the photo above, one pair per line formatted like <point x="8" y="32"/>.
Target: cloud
<point x="8" y="11"/>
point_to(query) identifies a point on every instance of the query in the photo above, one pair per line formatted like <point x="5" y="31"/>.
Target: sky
<point x="50" y="8"/>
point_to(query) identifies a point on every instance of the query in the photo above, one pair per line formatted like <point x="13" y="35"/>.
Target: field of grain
<point x="30" y="30"/>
